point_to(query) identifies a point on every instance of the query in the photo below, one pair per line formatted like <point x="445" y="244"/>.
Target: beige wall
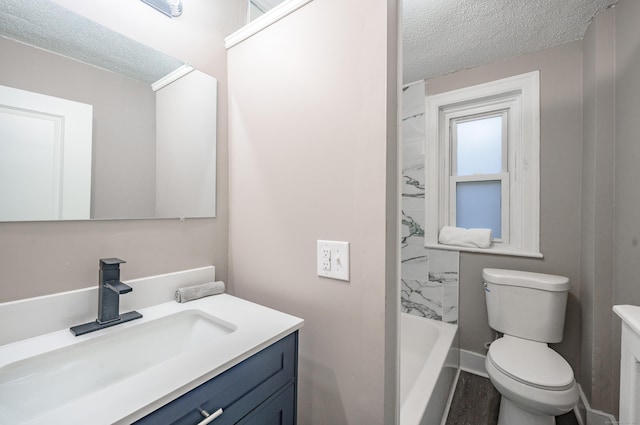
<point x="308" y="160"/>
<point x="560" y="162"/>
<point x="185" y="146"/>
<point x="43" y="258"/>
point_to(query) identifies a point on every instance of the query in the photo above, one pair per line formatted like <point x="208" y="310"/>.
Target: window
<point x="483" y="150"/>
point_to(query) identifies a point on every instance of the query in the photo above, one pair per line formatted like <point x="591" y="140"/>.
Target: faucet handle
<point x="118" y="286"/>
<point x="110" y="263"/>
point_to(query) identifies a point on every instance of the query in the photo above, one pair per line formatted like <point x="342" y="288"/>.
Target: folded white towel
<point x="190" y="293"/>
<point x="471" y="238"/>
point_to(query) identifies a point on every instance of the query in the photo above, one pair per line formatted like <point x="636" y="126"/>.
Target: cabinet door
<point x="278" y="410"/>
<point x="237" y="391"/>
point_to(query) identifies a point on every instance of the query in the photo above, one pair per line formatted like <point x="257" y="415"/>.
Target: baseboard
<point x="473" y="363"/>
<point x="588" y="416"/>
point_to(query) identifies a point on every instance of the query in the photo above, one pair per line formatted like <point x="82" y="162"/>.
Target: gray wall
<point x="313" y="151"/>
<point x="596" y="292"/>
<point x="589" y="194"/>
<point x="626" y="252"/>
<point x="44" y="258"/>
<point x="611" y="199"/>
<point x="561" y="161"/>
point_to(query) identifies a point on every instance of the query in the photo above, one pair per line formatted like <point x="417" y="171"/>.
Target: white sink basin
<point x="36" y="385"/>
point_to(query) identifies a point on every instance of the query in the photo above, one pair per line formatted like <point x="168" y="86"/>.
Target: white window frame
<point x="502" y="176"/>
<point x="520" y="96"/>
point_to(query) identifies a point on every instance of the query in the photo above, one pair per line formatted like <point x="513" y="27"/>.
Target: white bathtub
<point x="429" y="362"/>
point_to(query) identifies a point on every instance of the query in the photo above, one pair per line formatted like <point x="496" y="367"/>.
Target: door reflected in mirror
<point x="45" y="157"/>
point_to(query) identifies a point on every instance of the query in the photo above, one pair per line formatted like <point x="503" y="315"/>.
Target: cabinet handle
<point x="209" y="417"/>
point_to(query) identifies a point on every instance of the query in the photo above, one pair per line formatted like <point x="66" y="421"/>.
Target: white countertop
<point x="135" y="396"/>
<point x="630" y="314"/>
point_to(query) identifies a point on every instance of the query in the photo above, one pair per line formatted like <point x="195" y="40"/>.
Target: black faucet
<point x="109" y="290"/>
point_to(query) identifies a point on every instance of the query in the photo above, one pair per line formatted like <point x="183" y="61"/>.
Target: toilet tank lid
<point x="545" y="282"/>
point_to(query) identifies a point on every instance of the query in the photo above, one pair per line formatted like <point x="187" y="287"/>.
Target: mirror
<point x="258" y="8"/>
<point x="84" y="135"/>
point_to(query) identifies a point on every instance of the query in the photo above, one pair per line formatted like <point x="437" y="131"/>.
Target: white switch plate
<point x="333" y="260"/>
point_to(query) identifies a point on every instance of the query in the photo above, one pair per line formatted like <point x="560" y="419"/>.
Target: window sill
<point x="490" y="251"/>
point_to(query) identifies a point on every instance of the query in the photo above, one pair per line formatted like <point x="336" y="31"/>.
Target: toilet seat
<point x="547" y="394"/>
<point x="531" y="363"/>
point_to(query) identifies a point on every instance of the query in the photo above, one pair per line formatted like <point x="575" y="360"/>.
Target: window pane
<point x="479" y="146"/>
<point x="478" y="205"/>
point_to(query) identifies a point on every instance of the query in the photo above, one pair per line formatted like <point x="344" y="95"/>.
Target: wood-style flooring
<point x="477" y="402"/>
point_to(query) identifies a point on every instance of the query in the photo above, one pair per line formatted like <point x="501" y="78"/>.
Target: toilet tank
<point x="525" y="304"/>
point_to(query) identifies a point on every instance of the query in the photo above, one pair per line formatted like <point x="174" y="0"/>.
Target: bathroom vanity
<point x="219" y="359"/>
<point x="260" y="390"/>
<point x="629" y="363"/>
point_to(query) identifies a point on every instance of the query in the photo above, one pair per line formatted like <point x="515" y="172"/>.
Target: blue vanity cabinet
<point x="261" y="390"/>
<point x="280" y="410"/>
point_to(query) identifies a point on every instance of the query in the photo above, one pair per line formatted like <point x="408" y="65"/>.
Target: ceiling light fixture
<point x="171" y="8"/>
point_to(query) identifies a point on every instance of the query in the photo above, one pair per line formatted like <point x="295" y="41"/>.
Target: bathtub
<point x="429" y="363"/>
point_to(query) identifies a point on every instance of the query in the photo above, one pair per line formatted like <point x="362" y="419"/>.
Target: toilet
<point x="535" y="382"/>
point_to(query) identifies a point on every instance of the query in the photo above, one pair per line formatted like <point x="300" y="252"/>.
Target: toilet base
<point x="511" y="414"/>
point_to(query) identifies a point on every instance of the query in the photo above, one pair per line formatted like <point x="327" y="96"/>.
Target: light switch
<point x="333" y="259"/>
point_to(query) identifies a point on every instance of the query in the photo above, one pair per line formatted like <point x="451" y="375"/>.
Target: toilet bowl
<point x="535" y="382"/>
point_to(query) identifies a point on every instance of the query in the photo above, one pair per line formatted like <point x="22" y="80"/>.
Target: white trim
<point x="498" y="250"/>
<point x="405" y="86"/>
<point x="473" y="363"/>
<point x="172" y="76"/>
<point x="521" y="95"/>
<point x="593" y="417"/>
<point x="274" y="15"/>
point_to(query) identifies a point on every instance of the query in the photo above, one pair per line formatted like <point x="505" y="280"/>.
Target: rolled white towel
<point x="471" y="238"/>
<point x="190" y="293"/>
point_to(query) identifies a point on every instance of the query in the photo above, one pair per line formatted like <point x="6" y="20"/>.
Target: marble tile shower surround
<point x="429" y="276"/>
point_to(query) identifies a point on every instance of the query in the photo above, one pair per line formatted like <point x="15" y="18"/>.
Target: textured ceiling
<point x="51" y="27"/>
<point x="440" y="36"/>
<point x="443" y="36"/>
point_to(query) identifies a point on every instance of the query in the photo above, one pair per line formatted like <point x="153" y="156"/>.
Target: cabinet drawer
<point x="280" y="409"/>
<point x="237" y="391"/>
